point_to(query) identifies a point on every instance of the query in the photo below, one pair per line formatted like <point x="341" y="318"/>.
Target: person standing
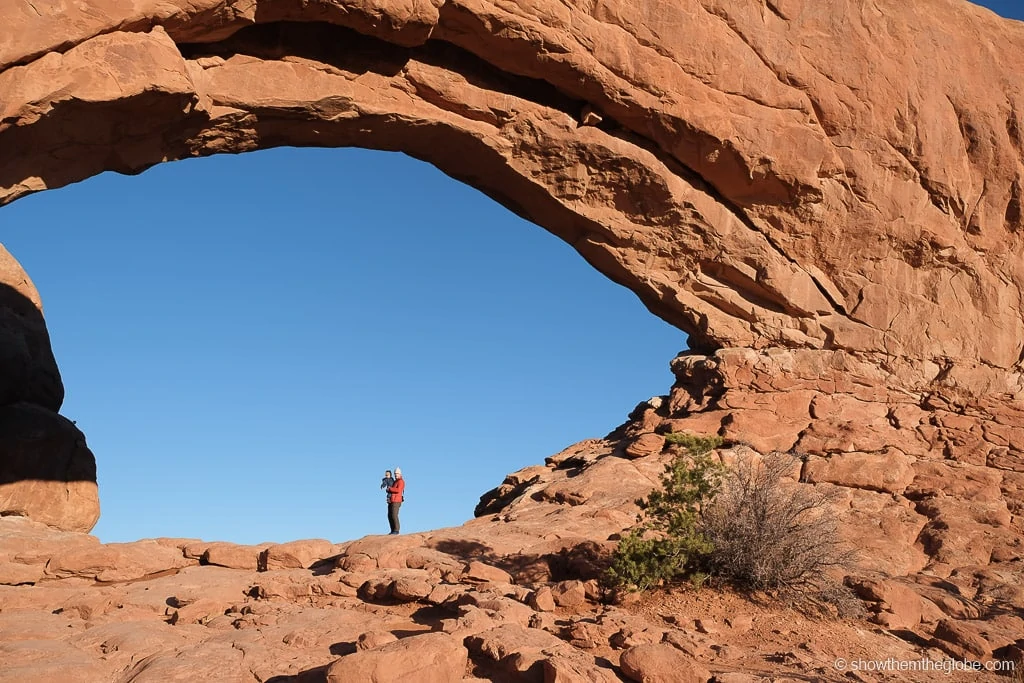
<point x="395" y="496"/>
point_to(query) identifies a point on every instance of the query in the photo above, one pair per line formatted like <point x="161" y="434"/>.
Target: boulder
<point x="294" y="555"/>
<point x="961" y="639"/>
<point x="542" y="599"/>
<point x="114" y="562"/>
<point x="644" y="445"/>
<point x="661" y="663"/>
<point x="575" y="668"/>
<point x="411" y="589"/>
<point x="532" y="654"/>
<point x="897" y="606"/>
<point x="230" y="555"/>
<point x="570" y="594"/>
<point x="374" y="639"/>
<point x="427" y="658"/>
<point x="479" y="572"/>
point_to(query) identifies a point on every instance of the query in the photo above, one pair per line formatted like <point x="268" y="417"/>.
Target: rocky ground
<point x="509" y="596"/>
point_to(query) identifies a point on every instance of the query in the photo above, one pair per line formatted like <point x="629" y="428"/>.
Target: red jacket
<point x="396" y="490"/>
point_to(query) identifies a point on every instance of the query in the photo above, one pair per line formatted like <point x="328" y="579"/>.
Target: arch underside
<point x="750" y="186"/>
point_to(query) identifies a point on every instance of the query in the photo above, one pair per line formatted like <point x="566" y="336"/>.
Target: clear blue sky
<point x="1014" y="9"/>
<point x="249" y="341"/>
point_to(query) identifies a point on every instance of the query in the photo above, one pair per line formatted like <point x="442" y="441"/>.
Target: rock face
<point x="28" y="371"/>
<point x="805" y="176"/>
<point x="510" y="595"/>
<point x="46" y="470"/>
<point x="825" y="195"/>
<point x="795" y="174"/>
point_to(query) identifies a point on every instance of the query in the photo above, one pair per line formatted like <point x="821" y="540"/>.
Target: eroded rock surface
<point x="798" y="174"/>
<point x="825" y="196"/>
<point x="510" y="595"/>
<point x="811" y="178"/>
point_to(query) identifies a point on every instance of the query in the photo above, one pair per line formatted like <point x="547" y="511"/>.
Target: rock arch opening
<point x="816" y="228"/>
<point x="248" y="341"/>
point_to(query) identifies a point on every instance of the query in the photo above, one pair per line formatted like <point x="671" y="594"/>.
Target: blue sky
<point x="249" y="341"/>
<point x="1014" y="9"/>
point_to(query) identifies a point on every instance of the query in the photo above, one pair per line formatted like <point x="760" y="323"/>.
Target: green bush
<point x="641" y="563"/>
<point x="669" y="543"/>
<point x="695" y="445"/>
<point x="748" y="525"/>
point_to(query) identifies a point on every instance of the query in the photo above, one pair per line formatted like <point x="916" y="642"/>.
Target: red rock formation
<point x="806" y="175"/>
<point x="509" y="595"/>
<point x="28" y="371"/>
<point x="810" y="176"/>
<point x="46" y="470"/>
<point x="825" y="195"/>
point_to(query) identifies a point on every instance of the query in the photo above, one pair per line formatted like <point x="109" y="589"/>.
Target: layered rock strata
<point x="929" y="484"/>
<point x="825" y="195"/>
<point x="812" y="176"/>
<point x="815" y="175"/>
<point x="948" y="465"/>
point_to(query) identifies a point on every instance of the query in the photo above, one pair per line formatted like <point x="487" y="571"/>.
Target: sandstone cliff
<point x="825" y="195"/>
<point x="46" y="470"/>
<point x="814" y="175"/>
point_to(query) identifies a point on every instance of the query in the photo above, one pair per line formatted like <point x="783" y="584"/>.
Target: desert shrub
<point x="769" y="534"/>
<point x="695" y="445"/>
<point x="668" y="542"/>
<point x="641" y="562"/>
<point x="746" y="525"/>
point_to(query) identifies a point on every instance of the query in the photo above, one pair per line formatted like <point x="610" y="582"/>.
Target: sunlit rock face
<point x="810" y="175"/>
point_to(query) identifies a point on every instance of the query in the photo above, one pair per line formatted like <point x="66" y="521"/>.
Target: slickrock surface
<point x="509" y="596"/>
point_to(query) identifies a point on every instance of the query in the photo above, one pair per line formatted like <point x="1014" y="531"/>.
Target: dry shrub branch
<point x="769" y="535"/>
<point x="752" y="525"/>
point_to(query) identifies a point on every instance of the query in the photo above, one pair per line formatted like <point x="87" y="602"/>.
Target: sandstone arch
<point x="825" y="196"/>
<point x="759" y="186"/>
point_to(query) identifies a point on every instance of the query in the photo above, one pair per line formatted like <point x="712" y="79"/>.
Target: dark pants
<point x="393" y="517"/>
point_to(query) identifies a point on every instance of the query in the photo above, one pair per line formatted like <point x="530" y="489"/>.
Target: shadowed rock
<point x="47" y="472"/>
<point x="28" y="371"/>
